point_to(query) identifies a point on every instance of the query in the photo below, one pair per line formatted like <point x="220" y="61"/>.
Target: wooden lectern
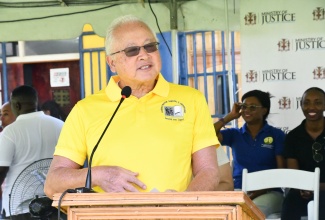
<point x="230" y="205"/>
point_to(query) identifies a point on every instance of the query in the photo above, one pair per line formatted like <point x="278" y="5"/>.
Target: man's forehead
<point x="314" y="93"/>
<point x="6" y="105"/>
<point x="131" y="28"/>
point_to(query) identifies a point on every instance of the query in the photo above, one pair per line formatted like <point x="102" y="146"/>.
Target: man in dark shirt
<point x="304" y="150"/>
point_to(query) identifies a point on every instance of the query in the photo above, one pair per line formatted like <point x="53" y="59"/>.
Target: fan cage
<point x="28" y="185"/>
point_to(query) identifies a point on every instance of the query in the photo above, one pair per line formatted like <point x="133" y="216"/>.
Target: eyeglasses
<point x="135" y="50"/>
<point x="318" y="157"/>
<point x="251" y="108"/>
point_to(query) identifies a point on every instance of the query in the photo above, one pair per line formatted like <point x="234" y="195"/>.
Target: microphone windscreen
<point x="126" y="91"/>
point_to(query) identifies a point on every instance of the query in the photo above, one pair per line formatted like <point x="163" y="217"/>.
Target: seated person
<point x="304" y="150"/>
<point x="255" y="146"/>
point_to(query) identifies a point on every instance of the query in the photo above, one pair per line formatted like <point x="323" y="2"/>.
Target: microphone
<point x="125" y="93"/>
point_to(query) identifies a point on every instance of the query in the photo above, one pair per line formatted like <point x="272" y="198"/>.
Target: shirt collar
<point x="302" y="128"/>
<point x="113" y="91"/>
<point x="29" y="115"/>
<point x="266" y="126"/>
<point x="162" y="86"/>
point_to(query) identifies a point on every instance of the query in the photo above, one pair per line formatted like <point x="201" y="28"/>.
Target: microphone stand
<point x="126" y="92"/>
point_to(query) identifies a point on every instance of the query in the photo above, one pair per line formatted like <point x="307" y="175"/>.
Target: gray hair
<point x="117" y="23"/>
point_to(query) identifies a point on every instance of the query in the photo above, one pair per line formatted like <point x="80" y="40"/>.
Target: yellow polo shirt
<point x="154" y="135"/>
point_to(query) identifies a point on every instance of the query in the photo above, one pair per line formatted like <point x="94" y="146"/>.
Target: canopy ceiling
<point x="64" y="19"/>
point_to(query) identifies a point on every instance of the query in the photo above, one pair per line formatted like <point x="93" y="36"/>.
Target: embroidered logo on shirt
<point x="173" y="110"/>
<point x="268" y="142"/>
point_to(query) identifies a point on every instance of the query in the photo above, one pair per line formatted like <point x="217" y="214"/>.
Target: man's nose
<point x="142" y="50"/>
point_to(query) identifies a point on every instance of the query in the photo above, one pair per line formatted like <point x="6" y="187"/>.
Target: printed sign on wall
<point x="59" y="77"/>
<point x="282" y="50"/>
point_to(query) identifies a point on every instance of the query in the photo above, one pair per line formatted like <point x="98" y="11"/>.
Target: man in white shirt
<point x="31" y="137"/>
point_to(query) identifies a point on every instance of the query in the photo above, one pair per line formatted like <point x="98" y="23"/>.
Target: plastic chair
<point x="285" y="178"/>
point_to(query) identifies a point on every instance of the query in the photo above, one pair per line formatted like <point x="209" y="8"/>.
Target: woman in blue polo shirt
<point x="255" y="146"/>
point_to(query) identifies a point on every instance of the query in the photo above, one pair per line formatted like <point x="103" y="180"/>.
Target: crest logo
<point x="250" y="18"/>
<point x="284" y="45"/>
<point x="284" y="103"/>
<point x="319" y="73"/>
<point x="173" y="110"/>
<point x="268" y="140"/>
<point x="319" y="14"/>
<point x="251" y="76"/>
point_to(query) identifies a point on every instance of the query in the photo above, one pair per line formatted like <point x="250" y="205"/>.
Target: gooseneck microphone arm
<point x="126" y="92"/>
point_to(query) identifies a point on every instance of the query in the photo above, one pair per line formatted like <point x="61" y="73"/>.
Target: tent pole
<point x="174" y="27"/>
<point x="174" y="39"/>
<point x="230" y="68"/>
<point x="4" y="73"/>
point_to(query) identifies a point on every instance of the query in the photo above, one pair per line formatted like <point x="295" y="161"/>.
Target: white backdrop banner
<point x="283" y="52"/>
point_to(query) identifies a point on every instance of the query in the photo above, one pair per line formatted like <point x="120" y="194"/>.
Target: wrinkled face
<point x="313" y="105"/>
<point x="6" y="116"/>
<point x="138" y="69"/>
<point x="252" y="110"/>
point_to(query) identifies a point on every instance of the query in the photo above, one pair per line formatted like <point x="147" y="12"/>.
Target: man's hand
<point x="116" y="179"/>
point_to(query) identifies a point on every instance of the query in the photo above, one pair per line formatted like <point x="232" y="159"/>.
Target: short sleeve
<point x="7" y="149"/>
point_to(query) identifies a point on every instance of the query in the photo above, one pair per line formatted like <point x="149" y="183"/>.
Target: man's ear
<point x="111" y="62"/>
<point x="18" y="106"/>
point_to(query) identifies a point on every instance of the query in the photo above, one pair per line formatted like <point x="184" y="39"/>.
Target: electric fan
<point x="28" y="185"/>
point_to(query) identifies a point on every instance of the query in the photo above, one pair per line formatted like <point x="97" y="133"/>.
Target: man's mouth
<point x="144" y="67"/>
